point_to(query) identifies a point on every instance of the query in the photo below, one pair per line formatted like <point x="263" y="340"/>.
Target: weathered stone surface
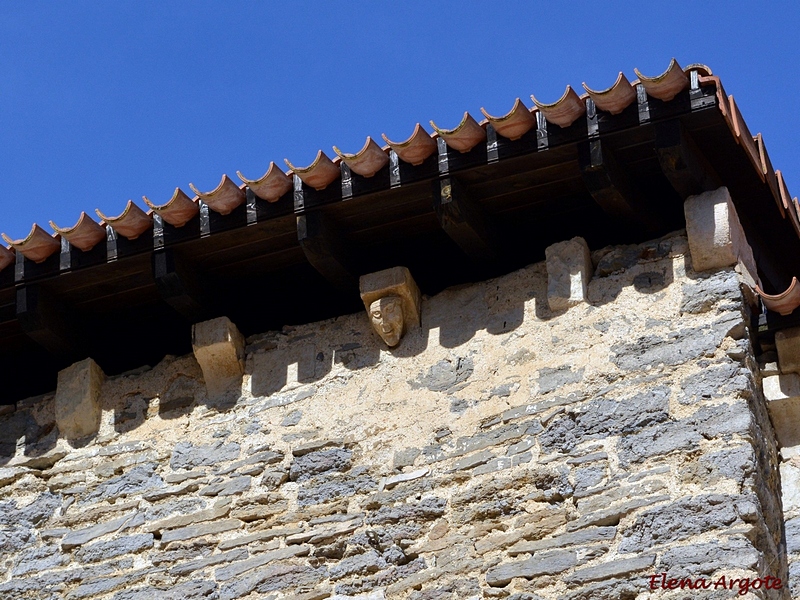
<point x="83" y="536"/>
<point x="307" y="465"/>
<point x="235" y="570"/>
<point x="189" y="456"/>
<point x="425" y="509"/>
<point x="606" y="416"/>
<point x="189" y="590"/>
<point x="139" y="479"/>
<point x="677" y="521"/>
<point x="552" y="379"/>
<point x="116" y="547"/>
<point x="259" y="507"/>
<point x="447" y="375"/>
<point x="703" y="294"/>
<point x="719" y="381"/>
<point x="716" y="238"/>
<point x="584" y="536"/>
<point x="35" y="560"/>
<point x="77" y="403"/>
<point x="592" y="476"/>
<point x="615" y="568"/>
<point x="710" y="557"/>
<point x="231" y="487"/>
<point x="676" y="348"/>
<point x="219" y="349"/>
<point x="569" y="269"/>
<point x="193" y="531"/>
<point x="202" y="563"/>
<point x="547" y="563"/>
<point x="220" y="509"/>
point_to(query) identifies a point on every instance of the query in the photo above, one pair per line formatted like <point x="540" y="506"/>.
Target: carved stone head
<point x="392" y="300"/>
<point x="387" y="319"/>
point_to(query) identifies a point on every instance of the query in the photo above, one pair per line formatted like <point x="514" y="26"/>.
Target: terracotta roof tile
<point x="37" y="246"/>
<point x="414" y="150"/>
<point x="224" y="198"/>
<point x="319" y="174"/>
<point x="515" y="123"/>
<point x="464" y="136"/>
<point x="84" y="235"/>
<point x="131" y="222"/>
<point x="367" y="161"/>
<point x="270" y="186"/>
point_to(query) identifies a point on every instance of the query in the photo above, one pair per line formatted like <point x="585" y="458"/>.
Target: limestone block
<point x="716" y="237"/>
<point x="787" y="342"/>
<point x="392" y="300"/>
<point x="783" y="401"/>
<point x="569" y="269"/>
<point x="77" y="401"/>
<point x="219" y="349"/>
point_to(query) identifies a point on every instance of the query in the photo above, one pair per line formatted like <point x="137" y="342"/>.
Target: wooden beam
<point x="681" y="160"/>
<point x="611" y="187"/>
<point x="325" y="249"/>
<point x="49" y="323"/>
<point x="179" y="285"/>
<point x="465" y="221"/>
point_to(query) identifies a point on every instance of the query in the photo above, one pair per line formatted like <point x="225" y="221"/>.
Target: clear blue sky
<point x="105" y="101"/>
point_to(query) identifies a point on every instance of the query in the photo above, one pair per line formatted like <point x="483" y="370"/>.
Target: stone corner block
<point x="787" y="343"/>
<point x="569" y="269"/>
<point x="219" y="350"/>
<point x="77" y="400"/>
<point x="716" y="237"/>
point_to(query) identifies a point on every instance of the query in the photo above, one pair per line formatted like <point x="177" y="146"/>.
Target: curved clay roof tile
<point x="465" y="136"/>
<point x="564" y="111"/>
<point x="131" y="223"/>
<point x="224" y="198"/>
<point x="367" y="161"/>
<point x="319" y="174"/>
<point x="179" y="210"/>
<point x="271" y="186"/>
<point x="37" y="246"/>
<point x="416" y="148"/>
<point x="785" y="302"/>
<point x="84" y="235"/>
<point x="616" y="98"/>
<point x="667" y="85"/>
<point x="515" y="123"/>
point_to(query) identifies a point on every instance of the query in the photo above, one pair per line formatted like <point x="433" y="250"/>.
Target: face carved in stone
<point x="386" y="315"/>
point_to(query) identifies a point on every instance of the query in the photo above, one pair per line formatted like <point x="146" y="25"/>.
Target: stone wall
<point x="502" y="450"/>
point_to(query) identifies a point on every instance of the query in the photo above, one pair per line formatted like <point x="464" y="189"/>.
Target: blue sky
<point x="105" y="101"/>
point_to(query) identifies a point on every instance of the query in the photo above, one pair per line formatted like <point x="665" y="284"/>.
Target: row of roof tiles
<point x="38" y="245"/>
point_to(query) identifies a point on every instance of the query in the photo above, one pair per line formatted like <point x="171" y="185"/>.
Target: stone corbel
<point x="569" y="269"/>
<point x="392" y="300"/>
<point x="219" y="350"/>
<point x="77" y="401"/>
<point x="716" y="237"/>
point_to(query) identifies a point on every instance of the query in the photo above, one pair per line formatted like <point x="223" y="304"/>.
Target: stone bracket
<point x="77" y="400"/>
<point x="716" y="238"/>
<point x="682" y="162"/>
<point x="219" y="350"/>
<point x="465" y="221"/>
<point x="325" y="249"/>
<point x="569" y="270"/>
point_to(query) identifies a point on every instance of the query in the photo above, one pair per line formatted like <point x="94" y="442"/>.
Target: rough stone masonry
<point x="514" y="446"/>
